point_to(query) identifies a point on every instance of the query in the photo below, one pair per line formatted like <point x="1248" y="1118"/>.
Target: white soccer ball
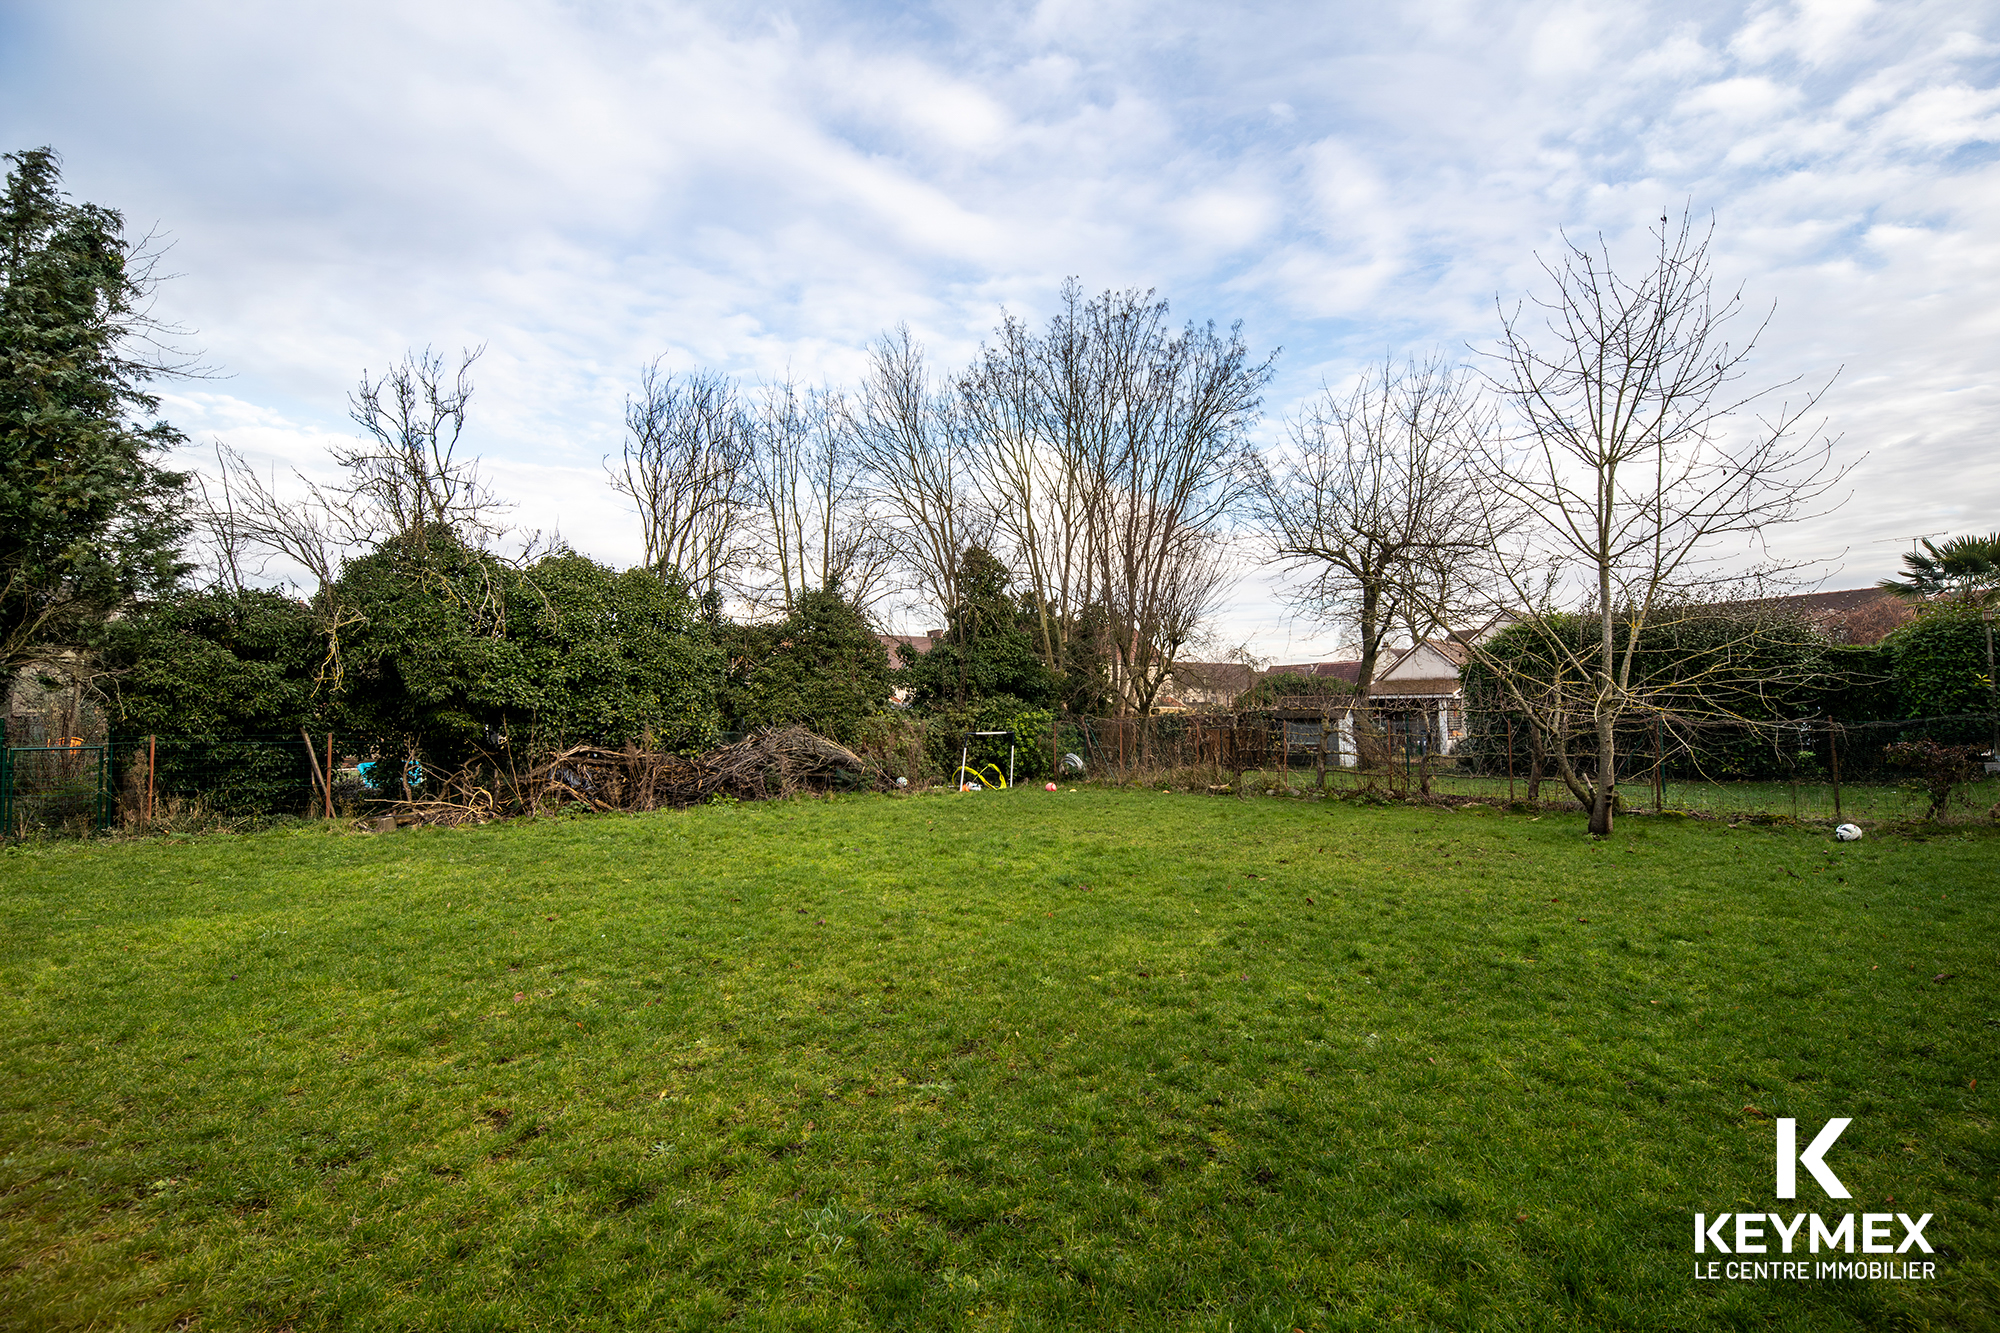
<point x="1848" y="832"/>
<point x="902" y="782"/>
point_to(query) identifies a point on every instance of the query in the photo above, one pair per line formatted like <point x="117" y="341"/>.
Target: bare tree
<point x="1027" y="403"/>
<point x="1375" y="504"/>
<point x="1175" y="477"/>
<point x="218" y="542"/>
<point x="814" y="529"/>
<point x="406" y="478"/>
<point x="1112" y="446"/>
<point x="1647" y="476"/>
<point x="247" y="520"/>
<point x="909" y="441"/>
<point x="685" y="466"/>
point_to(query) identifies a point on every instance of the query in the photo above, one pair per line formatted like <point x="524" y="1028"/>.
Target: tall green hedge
<point x="1938" y="662"/>
<point x="1776" y="671"/>
<point x="1706" y="666"/>
<point x="450" y="650"/>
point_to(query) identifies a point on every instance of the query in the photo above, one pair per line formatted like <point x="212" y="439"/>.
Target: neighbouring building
<point x="1858" y="616"/>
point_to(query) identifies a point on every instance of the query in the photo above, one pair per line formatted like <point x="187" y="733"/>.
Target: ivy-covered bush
<point x="820" y="667"/>
<point x="615" y="657"/>
<point x="215" y="663"/>
<point x="426" y="661"/>
<point x="451" y="650"/>
<point x="441" y="651"/>
<point x="227" y="679"/>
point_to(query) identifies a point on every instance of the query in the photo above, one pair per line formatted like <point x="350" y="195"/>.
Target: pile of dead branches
<point x="450" y="801"/>
<point x="776" y="762"/>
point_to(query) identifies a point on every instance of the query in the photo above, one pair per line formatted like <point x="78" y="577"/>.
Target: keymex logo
<point x="1812" y="1159"/>
<point x="1814" y="1233"/>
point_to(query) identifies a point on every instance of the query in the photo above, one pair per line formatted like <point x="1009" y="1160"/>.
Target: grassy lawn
<point x="1005" y="1060"/>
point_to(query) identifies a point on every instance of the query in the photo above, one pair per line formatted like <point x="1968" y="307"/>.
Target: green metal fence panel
<point x="54" y="789"/>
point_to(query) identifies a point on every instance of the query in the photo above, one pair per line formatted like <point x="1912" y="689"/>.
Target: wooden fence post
<point x="1659" y="777"/>
<point x="312" y="762"/>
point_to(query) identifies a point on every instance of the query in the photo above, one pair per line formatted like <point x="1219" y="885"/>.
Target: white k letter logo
<point x="1790" y="1159"/>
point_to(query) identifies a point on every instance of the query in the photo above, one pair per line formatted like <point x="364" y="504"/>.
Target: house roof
<point x="918" y="644"/>
<point x="1214" y="677"/>
<point x="1451" y="648"/>
<point x="1853" y="615"/>
<point x="1815" y="604"/>
<point x="1347" y="671"/>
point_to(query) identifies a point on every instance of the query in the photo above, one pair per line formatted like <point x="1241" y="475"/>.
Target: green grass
<point x="1006" y="1060"/>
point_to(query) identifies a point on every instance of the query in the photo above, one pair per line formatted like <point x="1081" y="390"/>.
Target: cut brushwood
<point x="776" y="762"/>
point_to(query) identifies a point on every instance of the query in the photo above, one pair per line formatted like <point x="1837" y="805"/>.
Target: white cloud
<point x="583" y="188"/>
<point x="1744" y="99"/>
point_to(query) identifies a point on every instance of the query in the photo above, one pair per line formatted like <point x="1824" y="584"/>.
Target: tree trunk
<point x="1607" y="775"/>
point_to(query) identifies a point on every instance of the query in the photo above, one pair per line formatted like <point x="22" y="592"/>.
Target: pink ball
<point x="1052" y="786"/>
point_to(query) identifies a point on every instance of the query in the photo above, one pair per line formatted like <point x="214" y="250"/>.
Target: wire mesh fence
<point x="1811" y="768"/>
<point x="75" y="788"/>
<point x="1807" y="768"/>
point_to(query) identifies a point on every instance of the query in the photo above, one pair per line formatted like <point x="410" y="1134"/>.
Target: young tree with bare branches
<point x="404" y="479"/>
<point x="1646" y="475"/>
<point x="406" y="472"/>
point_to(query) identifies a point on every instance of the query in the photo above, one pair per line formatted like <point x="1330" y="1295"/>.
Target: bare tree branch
<point x="406" y="475"/>
<point x="910" y="442"/>
<point x="1111" y="447"/>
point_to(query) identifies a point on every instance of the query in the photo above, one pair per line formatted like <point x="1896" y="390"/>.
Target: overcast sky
<point x="584" y="186"/>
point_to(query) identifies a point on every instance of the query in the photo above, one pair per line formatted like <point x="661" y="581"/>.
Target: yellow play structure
<point x="986" y="775"/>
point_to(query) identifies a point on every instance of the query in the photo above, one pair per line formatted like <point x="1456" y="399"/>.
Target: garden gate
<point x="54" y="789"/>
